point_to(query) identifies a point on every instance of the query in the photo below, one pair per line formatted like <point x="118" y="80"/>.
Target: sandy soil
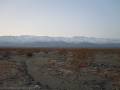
<point x="59" y="69"/>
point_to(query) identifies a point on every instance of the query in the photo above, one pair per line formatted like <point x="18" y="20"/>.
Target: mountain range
<point x="67" y="42"/>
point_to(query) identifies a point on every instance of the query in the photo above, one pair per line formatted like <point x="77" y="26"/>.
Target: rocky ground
<point x="59" y="69"/>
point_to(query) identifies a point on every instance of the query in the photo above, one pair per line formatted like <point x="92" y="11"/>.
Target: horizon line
<point x="57" y="36"/>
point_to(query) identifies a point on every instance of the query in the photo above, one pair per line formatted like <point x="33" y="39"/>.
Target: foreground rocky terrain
<point x="59" y="69"/>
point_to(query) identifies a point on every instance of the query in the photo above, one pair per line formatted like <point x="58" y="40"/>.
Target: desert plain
<point x="59" y="69"/>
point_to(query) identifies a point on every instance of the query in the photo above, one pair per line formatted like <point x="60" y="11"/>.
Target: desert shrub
<point x="29" y="54"/>
<point x="62" y="51"/>
<point x="81" y="58"/>
<point x="51" y="63"/>
<point x="6" y="55"/>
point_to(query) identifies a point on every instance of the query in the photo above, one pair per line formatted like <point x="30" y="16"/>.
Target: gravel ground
<point x="54" y="70"/>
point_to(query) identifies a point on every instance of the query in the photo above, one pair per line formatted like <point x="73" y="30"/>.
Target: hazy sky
<point x="92" y="18"/>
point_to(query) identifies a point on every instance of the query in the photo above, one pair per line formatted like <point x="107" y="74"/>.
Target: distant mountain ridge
<point x="46" y="41"/>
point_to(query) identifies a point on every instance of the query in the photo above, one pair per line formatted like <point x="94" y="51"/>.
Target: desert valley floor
<point x="59" y="69"/>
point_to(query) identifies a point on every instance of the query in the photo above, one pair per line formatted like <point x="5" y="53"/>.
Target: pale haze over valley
<point x="89" y="18"/>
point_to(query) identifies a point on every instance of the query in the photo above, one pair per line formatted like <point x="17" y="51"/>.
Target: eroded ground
<point x="59" y="69"/>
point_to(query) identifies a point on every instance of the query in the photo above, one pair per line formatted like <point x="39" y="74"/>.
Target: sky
<point x="91" y="18"/>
